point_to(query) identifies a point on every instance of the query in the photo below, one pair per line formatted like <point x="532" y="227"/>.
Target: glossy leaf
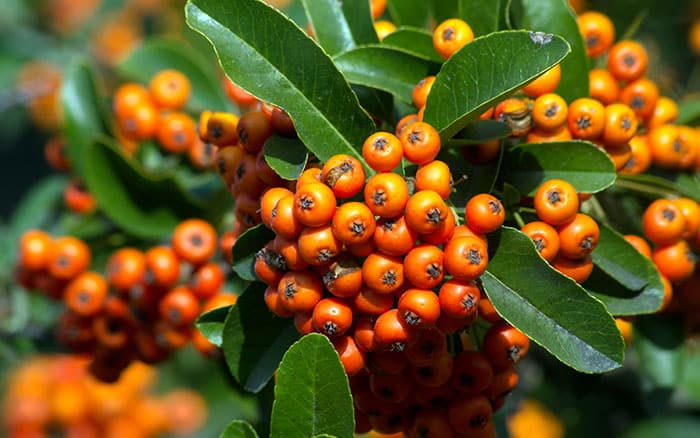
<point x="286" y="156"/>
<point x="418" y="42"/>
<point x="83" y="111"/>
<point x="284" y="67"/>
<point x="239" y="429"/>
<point x="444" y="9"/>
<point x="340" y="26"/>
<point x="620" y="300"/>
<point x="623" y="279"/>
<point x="688" y="182"/>
<point x="511" y="197"/>
<point x="254" y="339"/>
<point x="421" y="13"/>
<point x="688" y="110"/>
<point x="211" y="324"/>
<point x="235" y="284"/>
<point x="384" y="68"/>
<point x="475" y="178"/>
<point x="556" y="16"/>
<point x="680" y="181"/>
<point x="589" y="169"/>
<point x="664" y="426"/>
<point x="554" y="312"/>
<point x="650" y="185"/>
<point x="312" y="394"/>
<point x="245" y="248"/>
<point x="482" y="16"/>
<point x="409" y="12"/>
<point x="619" y="259"/>
<point x="159" y="54"/>
<point x="148" y="207"/>
<point x="484" y="71"/>
<point x="658" y="343"/>
<point x="378" y="103"/>
<point x="480" y="131"/>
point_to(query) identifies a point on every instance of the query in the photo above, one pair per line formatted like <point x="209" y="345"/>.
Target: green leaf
<point x="623" y="279"/>
<point x="619" y="259"/>
<point x="239" y="429"/>
<point x="488" y="69"/>
<point x="556" y="16"/>
<point x="340" y="26"/>
<point x="284" y="67"/>
<point x="243" y="252"/>
<point x="254" y="339"/>
<point x="511" y="197"/>
<point x="554" y="312"/>
<point x="378" y="103"/>
<point x="586" y="167"/>
<point x="620" y="300"/>
<point x="200" y="184"/>
<point x="682" y="182"/>
<point x="17" y="315"/>
<point x="650" y="186"/>
<point x="689" y="182"/>
<point x="384" y="68"/>
<point x="658" y="343"/>
<point x="160" y="54"/>
<point x="690" y="380"/>
<point x="286" y="156"/>
<point x="480" y="131"/>
<point x="688" y="110"/>
<point x="667" y="426"/>
<point x="147" y="207"/>
<point x="235" y="284"/>
<point x="418" y="42"/>
<point x="444" y="9"/>
<point x="155" y="160"/>
<point x="84" y="226"/>
<point x="312" y="395"/>
<point x="84" y="111"/>
<point x="480" y="178"/>
<point x="38" y="205"/>
<point x="410" y="12"/>
<point x="211" y="324"/>
<point x="482" y="16"/>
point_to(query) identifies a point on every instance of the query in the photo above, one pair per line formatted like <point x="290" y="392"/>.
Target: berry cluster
<point x="157" y="113"/>
<point x="142" y="114"/>
<point x="385" y="272"/>
<point x="56" y="396"/>
<point x="563" y="236"/>
<point x="143" y="306"/>
<point x="240" y="160"/>
<point x="623" y="81"/>
<point x="673" y="226"/>
<point x="624" y="115"/>
<point x="670" y="224"/>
